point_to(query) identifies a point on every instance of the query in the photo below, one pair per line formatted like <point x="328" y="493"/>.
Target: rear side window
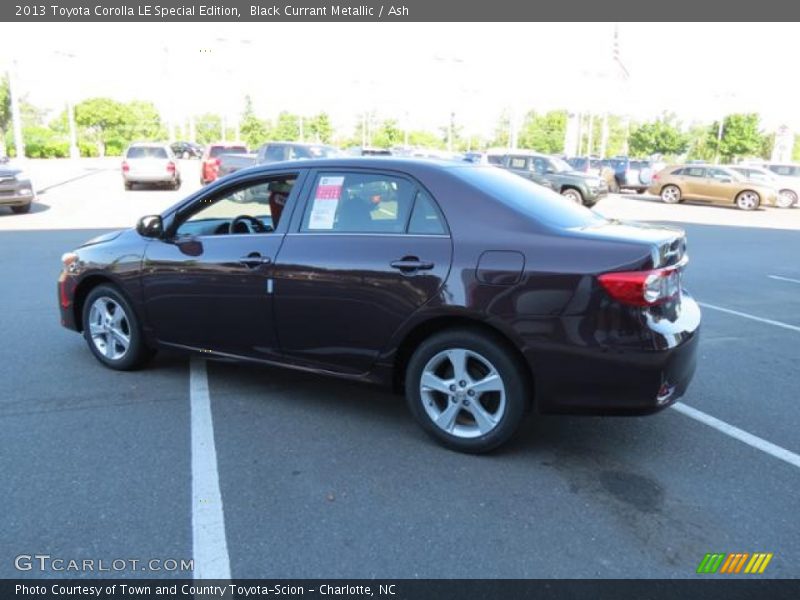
<point x="425" y="218"/>
<point x="359" y="203"/>
<point x="679" y="172"/>
<point x="528" y="198"/>
<point x="495" y="159"/>
<point x="219" y="150"/>
<point x="517" y="162"/>
<point x="147" y="152"/>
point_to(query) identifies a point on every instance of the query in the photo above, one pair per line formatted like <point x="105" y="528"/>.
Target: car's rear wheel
<point x="22" y="209"/>
<point x="748" y="200"/>
<point x="670" y="194"/>
<point x="176" y="185"/>
<point x="786" y="199"/>
<point x="128" y="185"/>
<point x="112" y="329"/>
<point x="573" y="195"/>
<point x="466" y="390"/>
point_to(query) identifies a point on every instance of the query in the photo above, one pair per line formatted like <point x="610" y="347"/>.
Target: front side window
<point x="255" y="207"/>
<point x="695" y="172"/>
<point x="359" y="203"/>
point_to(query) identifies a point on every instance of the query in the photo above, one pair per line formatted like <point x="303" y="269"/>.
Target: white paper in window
<point x="326" y="200"/>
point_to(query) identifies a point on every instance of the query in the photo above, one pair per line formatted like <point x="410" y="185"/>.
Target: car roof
<point x="149" y="144"/>
<point x="398" y="163"/>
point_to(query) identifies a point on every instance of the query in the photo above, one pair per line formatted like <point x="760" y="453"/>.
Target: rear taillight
<point x="125" y="166"/>
<point x="171" y="167"/>
<point x="643" y="288"/>
<point x="655" y="177"/>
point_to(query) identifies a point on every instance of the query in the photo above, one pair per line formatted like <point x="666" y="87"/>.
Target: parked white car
<point x="150" y="163"/>
<point x="788" y="187"/>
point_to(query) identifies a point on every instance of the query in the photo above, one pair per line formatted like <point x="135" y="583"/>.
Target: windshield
<point x="146" y="152"/>
<point x="528" y="198"/>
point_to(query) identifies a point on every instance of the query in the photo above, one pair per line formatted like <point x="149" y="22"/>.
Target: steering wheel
<point x="255" y="226"/>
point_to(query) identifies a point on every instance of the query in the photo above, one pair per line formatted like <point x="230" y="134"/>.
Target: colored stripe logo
<point x="735" y="562"/>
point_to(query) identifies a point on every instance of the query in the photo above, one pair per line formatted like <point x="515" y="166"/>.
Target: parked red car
<point x="211" y="158"/>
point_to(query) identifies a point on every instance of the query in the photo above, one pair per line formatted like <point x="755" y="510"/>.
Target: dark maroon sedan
<point x="480" y="293"/>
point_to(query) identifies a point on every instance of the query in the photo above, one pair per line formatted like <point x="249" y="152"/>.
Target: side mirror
<point x="151" y="226"/>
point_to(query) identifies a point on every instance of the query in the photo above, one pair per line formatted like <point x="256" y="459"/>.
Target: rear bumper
<point x="633" y="379"/>
<point x="151" y="177"/>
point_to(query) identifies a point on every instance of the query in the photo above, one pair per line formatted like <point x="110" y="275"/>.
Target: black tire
<point x="506" y="365"/>
<point x="747" y="200"/>
<point x="786" y="199"/>
<point x="176" y="185"/>
<point x="671" y="194"/>
<point x="641" y="191"/>
<point x="614" y="187"/>
<point x="22" y="209"/>
<point x="128" y="186"/>
<point x="137" y="353"/>
<point x="572" y="194"/>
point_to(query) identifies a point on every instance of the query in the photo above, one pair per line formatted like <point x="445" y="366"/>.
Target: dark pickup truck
<point x="274" y="152"/>
<point x="558" y="175"/>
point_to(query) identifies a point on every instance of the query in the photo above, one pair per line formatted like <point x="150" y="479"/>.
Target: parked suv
<point x="16" y="189"/>
<point x="279" y="151"/>
<point x="150" y="163"/>
<point x="187" y="149"/>
<point x="788" y="187"/>
<point x="712" y="184"/>
<point x="630" y="174"/>
<point x="558" y="175"/>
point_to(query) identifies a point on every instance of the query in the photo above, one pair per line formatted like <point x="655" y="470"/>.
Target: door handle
<point x="254" y="259"/>
<point x="411" y="263"/>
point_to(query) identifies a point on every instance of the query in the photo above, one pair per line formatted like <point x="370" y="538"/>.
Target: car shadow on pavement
<point x="36" y="207"/>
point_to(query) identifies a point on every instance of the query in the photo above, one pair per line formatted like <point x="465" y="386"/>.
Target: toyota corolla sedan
<point x="482" y="295"/>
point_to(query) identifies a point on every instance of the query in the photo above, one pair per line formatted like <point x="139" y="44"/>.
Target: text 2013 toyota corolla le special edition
<point x="480" y="293"/>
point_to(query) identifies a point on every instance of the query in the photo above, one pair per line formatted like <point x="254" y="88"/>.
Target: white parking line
<point x="210" y="547"/>
<point x="751" y="317"/>
<point x="779" y="278"/>
<point x="739" y="434"/>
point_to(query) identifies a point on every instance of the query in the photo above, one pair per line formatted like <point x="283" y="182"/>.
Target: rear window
<point x="219" y="150"/>
<point x="147" y="152"/>
<point x="640" y="164"/>
<point x="577" y="163"/>
<point x="528" y="198"/>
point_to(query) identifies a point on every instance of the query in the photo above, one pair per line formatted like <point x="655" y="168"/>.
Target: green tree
<point x="796" y="148"/>
<point x="102" y="119"/>
<point x="387" y="134"/>
<point x="5" y="111"/>
<point x="319" y="128"/>
<point x="254" y="131"/>
<point x="544" y="133"/>
<point x="501" y="135"/>
<point x="142" y="121"/>
<point x="287" y="127"/>
<point x="662" y="136"/>
<point x="740" y="136"/>
<point x="425" y="139"/>
<point x="208" y="128"/>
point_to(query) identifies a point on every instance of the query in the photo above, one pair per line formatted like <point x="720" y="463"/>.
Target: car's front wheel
<point x="466" y="390"/>
<point x="573" y="195"/>
<point x="112" y="329"/>
<point x="748" y="200"/>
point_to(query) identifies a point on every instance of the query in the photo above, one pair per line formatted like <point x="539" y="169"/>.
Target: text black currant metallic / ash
<point x="481" y="294"/>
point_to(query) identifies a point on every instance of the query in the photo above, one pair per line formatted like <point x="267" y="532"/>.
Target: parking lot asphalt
<point x="323" y="478"/>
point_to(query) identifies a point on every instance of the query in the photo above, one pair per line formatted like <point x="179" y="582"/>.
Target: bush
<point x="115" y="146"/>
<point x="87" y="149"/>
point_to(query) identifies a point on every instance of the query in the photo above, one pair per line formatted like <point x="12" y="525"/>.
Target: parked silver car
<point x="788" y="187"/>
<point x="16" y="189"/>
<point x="150" y="163"/>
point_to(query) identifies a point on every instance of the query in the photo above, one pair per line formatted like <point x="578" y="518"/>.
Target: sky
<point x="418" y="73"/>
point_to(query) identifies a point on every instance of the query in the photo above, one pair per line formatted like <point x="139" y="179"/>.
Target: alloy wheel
<point x="671" y="194"/>
<point x="109" y="328"/>
<point x="747" y="200"/>
<point x="463" y="393"/>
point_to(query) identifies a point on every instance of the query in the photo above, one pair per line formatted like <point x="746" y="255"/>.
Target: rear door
<point x="368" y="249"/>
<point x="693" y="183"/>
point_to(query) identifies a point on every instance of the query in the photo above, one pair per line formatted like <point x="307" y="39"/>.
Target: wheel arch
<point x="85" y="286"/>
<point x="434" y="325"/>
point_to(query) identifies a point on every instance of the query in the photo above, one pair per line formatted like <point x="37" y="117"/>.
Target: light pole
<point x="74" y="152"/>
<point x="16" y="119"/>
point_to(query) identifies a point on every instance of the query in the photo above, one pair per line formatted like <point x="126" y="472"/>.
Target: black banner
<point x="439" y="589"/>
<point x="401" y="11"/>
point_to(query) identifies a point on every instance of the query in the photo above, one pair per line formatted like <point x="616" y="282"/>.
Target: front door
<point x="207" y="284"/>
<point x="369" y="249"/>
